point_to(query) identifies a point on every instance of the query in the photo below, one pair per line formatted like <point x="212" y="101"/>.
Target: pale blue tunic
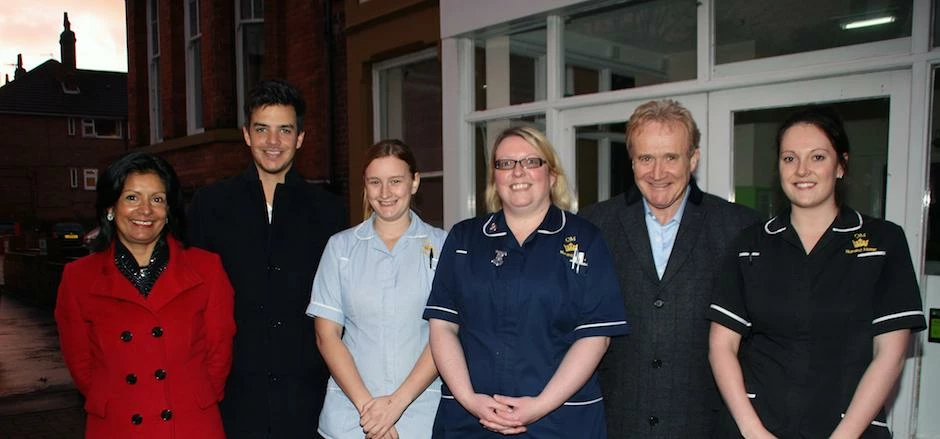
<point x="378" y="296"/>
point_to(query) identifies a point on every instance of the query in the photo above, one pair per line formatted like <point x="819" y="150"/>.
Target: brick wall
<point x="34" y="168"/>
<point x="295" y="49"/>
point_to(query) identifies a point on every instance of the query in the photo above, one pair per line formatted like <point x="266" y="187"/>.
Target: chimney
<point x="8" y="79"/>
<point x="67" y="43"/>
<point x="20" y="71"/>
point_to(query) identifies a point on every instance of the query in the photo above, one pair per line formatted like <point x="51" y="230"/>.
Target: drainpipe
<point x="331" y="97"/>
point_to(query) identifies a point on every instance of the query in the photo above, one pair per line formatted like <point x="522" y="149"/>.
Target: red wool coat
<point x="149" y="367"/>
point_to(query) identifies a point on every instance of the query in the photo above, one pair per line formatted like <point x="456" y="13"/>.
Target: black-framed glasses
<point x="527" y="163"/>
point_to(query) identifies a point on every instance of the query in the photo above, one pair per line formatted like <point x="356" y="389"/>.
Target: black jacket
<point x="656" y="381"/>
<point x="278" y="379"/>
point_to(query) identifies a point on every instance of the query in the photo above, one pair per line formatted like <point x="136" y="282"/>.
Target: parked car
<point x="68" y="234"/>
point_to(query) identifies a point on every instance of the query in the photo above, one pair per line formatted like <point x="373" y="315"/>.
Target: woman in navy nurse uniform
<point x="523" y="305"/>
<point x="815" y="308"/>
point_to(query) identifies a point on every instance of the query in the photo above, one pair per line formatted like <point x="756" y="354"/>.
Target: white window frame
<point x="153" y="71"/>
<point x="73" y="178"/>
<point x="89" y="178"/>
<point x="240" y="56"/>
<point x="71" y="125"/>
<point x="193" y="40"/>
<point x="90" y="131"/>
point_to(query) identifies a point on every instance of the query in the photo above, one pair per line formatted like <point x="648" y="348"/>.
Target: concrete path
<point x="37" y="397"/>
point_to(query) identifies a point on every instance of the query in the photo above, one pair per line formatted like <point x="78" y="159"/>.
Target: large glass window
<point x="632" y="45"/>
<point x="193" y="67"/>
<point x="510" y="69"/>
<point x="756" y="180"/>
<point x="250" y="47"/>
<point x="153" y="79"/>
<point x="485" y="133"/>
<point x="409" y="108"/>
<point x="747" y="29"/>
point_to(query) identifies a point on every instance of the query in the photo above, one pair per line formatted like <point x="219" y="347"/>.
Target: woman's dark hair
<point x="387" y="148"/>
<point x="111" y="184"/>
<point x="828" y="121"/>
<point x="276" y="92"/>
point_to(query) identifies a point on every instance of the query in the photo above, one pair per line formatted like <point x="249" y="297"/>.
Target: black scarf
<point x="144" y="277"/>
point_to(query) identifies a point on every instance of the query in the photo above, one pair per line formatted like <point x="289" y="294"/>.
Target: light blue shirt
<point x="378" y="296"/>
<point x="663" y="236"/>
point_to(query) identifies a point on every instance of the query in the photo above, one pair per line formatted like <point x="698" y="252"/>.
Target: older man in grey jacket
<point x="667" y="238"/>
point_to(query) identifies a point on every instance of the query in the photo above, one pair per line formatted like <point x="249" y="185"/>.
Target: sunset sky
<point x="32" y="27"/>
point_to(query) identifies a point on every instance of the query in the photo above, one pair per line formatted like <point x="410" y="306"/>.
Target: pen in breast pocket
<point x="431" y="258"/>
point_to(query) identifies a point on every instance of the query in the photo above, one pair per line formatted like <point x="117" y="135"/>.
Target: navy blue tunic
<point x="519" y="310"/>
<point x="808" y="321"/>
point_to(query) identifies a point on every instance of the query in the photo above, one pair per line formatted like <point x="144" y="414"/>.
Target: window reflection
<point x="602" y="162"/>
<point x="642" y="43"/>
<point x="510" y="69"/>
<point x="756" y="180"/>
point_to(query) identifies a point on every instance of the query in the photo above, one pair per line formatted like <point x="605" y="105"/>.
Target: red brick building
<point x="189" y="69"/>
<point x="58" y="126"/>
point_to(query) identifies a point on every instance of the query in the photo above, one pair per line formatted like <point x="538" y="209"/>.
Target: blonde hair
<point x="560" y="194"/>
<point x="667" y="112"/>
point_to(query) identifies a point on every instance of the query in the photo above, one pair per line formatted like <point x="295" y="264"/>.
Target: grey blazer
<point x="656" y="381"/>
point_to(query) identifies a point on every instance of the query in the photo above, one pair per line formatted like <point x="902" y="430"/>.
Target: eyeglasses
<point x="527" y="163"/>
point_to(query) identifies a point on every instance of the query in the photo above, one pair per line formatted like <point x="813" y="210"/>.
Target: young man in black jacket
<point x="270" y="227"/>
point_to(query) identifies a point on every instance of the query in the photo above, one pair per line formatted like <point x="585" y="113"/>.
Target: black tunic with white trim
<point x="808" y="321"/>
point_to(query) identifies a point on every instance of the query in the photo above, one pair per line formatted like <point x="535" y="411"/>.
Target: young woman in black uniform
<point x="815" y="307"/>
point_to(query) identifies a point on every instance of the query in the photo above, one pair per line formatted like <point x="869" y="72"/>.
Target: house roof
<point x="41" y="91"/>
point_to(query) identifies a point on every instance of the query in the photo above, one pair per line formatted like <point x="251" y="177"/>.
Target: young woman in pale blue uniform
<point x="368" y="295"/>
<point x="523" y="306"/>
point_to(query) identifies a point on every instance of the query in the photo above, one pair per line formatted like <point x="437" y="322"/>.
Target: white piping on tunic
<point x="600" y="325"/>
<point x="564" y="220"/>
<point x="875" y="422"/>
<point x="748" y="254"/>
<point x="593" y="401"/>
<point x="327" y="307"/>
<point x="441" y="308"/>
<point x="896" y="316"/>
<point x="461" y="252"/>
<point x="874" y="253"/>
<point x="491" y="235"/>
<point x="767" y="227"/>
<point x="851" y="229"/>
<point x="731" y="314"/>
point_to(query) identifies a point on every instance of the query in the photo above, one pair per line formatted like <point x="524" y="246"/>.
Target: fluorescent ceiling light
<point x="867" y="22"/>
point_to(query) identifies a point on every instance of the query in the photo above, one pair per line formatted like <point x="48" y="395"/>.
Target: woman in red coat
<point x="145" y="323"/>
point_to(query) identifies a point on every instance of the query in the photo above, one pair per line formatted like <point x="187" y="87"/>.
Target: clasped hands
<point x="378" y="416"/>
<point x="505" y="414"/>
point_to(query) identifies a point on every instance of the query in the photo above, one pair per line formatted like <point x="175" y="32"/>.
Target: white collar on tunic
<point x="848" y="220"/>
<point x="417" y="228"/>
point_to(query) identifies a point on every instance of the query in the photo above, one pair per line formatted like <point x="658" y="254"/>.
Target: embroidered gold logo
<point x="860" y="244"/>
